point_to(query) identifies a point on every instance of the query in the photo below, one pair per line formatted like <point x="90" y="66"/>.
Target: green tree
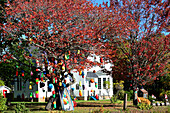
<point x="2" y="83"/>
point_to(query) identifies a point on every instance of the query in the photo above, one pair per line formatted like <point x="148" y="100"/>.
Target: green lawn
<point x="36" y="107"/>
<point x="29" y="102"/>
<point x="92" y="100"/>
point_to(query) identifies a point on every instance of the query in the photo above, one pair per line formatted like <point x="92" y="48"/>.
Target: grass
<point x="159" y="109"/>
<point x="92" y="100"/>
<point x="29" y="102"/>
<point x="36" y="107"/>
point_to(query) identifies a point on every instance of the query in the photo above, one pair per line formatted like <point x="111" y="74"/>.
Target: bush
<point x="129" y="94"/>
<point x="121" y="94"/>
<point x="114" y="99"/>
<point x="150" y="98"/>
<point x="162" y="94"/>
<point x="119" y="85"/>
<point x="2" y="103"/>
<point x="21" y="108"/>
<point x="144" y="106"/>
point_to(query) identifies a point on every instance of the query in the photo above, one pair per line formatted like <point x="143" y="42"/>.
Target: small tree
<point x="2" y="103"/>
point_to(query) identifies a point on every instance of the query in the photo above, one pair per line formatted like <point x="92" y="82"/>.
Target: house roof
<point x="4" y="87"/>
<point x="95" y="75"/>
<point x="100" y="73"/>
<point x="143" y="90"/>
<point x="91" y="74"/>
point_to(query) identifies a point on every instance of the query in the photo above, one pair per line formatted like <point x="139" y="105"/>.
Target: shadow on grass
<point x="98" y="105"/>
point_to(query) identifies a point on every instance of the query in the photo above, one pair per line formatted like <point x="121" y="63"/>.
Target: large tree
<point x="136" y="31"/>
<point x="58" y="35"/>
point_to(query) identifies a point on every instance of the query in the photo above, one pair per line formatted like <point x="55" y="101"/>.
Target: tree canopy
<point x="133" y="35"/>
<point x="59" y="31"/>
<point x="138" y="31"/>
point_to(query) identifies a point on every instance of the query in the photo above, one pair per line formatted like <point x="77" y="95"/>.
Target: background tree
<point x="7" y="73"/>
<point x="136" y="31"/>
<point x="2" y="19"/>
<point x="2" y="83"/>
<point x="161" y="85"/>
<point x="3" y="5"/>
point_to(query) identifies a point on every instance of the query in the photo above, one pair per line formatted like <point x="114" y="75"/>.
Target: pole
<point x="125" y="101"/>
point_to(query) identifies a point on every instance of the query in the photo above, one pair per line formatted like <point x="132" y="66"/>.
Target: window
<point x="49" y="89"/>
<point x="109" y="83"/>
<point x="89" y="83"/>
<point x="77" y="86"/>
<point x="19" y="83"/>
<point x="100" y="93"/>
<point x="99" y="83"/>
<point x="104" y="85"/>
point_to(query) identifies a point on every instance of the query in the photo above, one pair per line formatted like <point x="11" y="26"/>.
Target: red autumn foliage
<point x="137" y="39"/>
<point x="59" y="29"/>
<point x="133" y="35"/>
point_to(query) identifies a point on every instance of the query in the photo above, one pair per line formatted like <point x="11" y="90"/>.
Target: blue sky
<point x="100" y="1"/>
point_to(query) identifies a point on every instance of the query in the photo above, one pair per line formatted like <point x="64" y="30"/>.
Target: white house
<point x="23" y="90"/>
<point x="82" y="85"/>
<point x="88" y="88"/>
<point x="28" y="90"/>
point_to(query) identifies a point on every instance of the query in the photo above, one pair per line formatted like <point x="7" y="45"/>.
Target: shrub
<point x="21" y="108"/>
<point x="162" y="94"/>
<point x="150" y="98"/>
<point x="144" y="106"/>
<point x="121" y="94"/>
<point x="129" y="94"/>
<point x="2" y="103"/>
<point x="119" y="85"/>
<point x="114" y="99"/>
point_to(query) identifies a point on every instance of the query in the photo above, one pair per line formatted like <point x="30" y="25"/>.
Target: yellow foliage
<point x="121" y="81"/>
<point x="119" y="85"/>
<point x="144" y="100"/>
